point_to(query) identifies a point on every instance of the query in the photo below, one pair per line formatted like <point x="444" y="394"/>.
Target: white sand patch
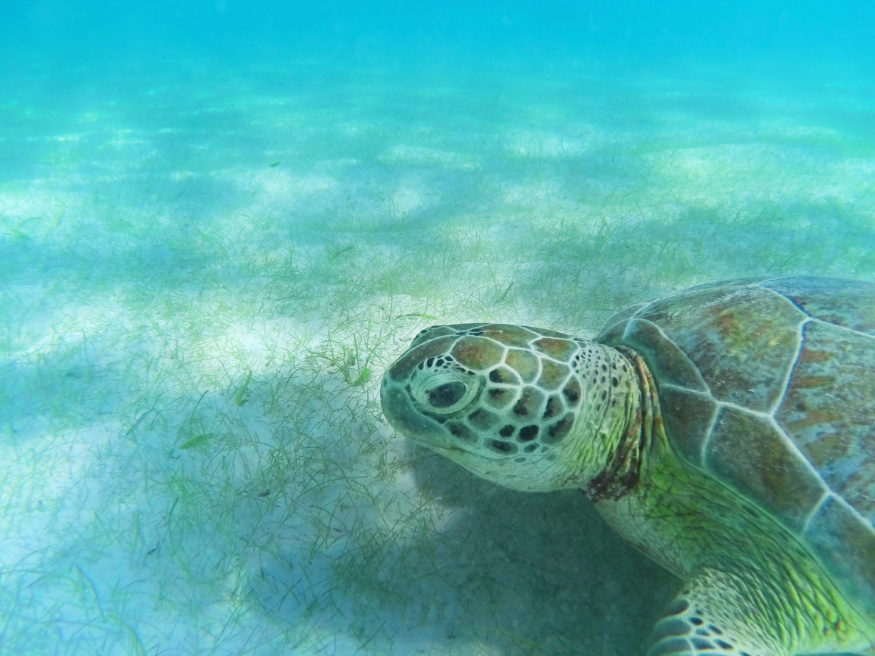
<point x="277" y="182"/>
<point x="405" y="200"/>
<point x="546" y="145"/>
<point x="736" y="169"/>
<point x="530" y="193"/>
<point x="422" y="156"/>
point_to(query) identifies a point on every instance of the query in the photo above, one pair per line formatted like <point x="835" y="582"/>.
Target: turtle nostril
<point x="446" y="395"/>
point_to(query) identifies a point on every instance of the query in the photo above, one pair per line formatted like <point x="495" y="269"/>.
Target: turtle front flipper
<point x="711" y="617"/>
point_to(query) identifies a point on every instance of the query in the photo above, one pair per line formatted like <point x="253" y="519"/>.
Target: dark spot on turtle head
<point x="572" y="391"/>
<point x="554" y="407"/>
<point x="529" y="403"/>
<point x="557" y="431"/>
<point x="461" y="432"/>
<point x="528" y="433"/>
<point x="502" y="446"/>
<point x="482" y="419"/>
<point x="499" y="398"/>
<point x="506" y="431"/>
<point x="520" y="409"/>
<point x="502" y="375"/>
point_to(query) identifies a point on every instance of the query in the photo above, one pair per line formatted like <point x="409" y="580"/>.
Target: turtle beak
<point x="403" y="417"/>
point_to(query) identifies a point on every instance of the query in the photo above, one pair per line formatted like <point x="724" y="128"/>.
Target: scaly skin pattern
<point x="744" y="572"/>
<point x="537" y="410"/>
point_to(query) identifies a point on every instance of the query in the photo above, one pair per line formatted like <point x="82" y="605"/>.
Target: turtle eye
<point x="446" y="395"/>
<point x="443" y="391"/>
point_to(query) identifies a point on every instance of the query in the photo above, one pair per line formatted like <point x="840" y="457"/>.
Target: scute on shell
<point x="768" y="386"/>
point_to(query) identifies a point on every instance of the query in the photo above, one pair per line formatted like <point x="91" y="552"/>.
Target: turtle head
<point x="518" y="406"/>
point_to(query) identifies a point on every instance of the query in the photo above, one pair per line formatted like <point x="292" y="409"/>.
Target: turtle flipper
<point x="711" y="617"/>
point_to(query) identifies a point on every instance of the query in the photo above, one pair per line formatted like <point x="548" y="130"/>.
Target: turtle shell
<point x="769" y="387"/>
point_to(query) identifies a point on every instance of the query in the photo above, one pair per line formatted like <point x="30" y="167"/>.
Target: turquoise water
<point x="220" y="221"/>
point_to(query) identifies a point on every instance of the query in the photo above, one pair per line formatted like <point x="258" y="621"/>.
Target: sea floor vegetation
<point x="198" y="298"/>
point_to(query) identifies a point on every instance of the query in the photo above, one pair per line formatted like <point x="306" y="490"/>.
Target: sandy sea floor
<point x="204" y="272"/>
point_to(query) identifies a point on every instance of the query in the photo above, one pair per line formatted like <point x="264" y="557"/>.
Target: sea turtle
<point x="727" y="431"/>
